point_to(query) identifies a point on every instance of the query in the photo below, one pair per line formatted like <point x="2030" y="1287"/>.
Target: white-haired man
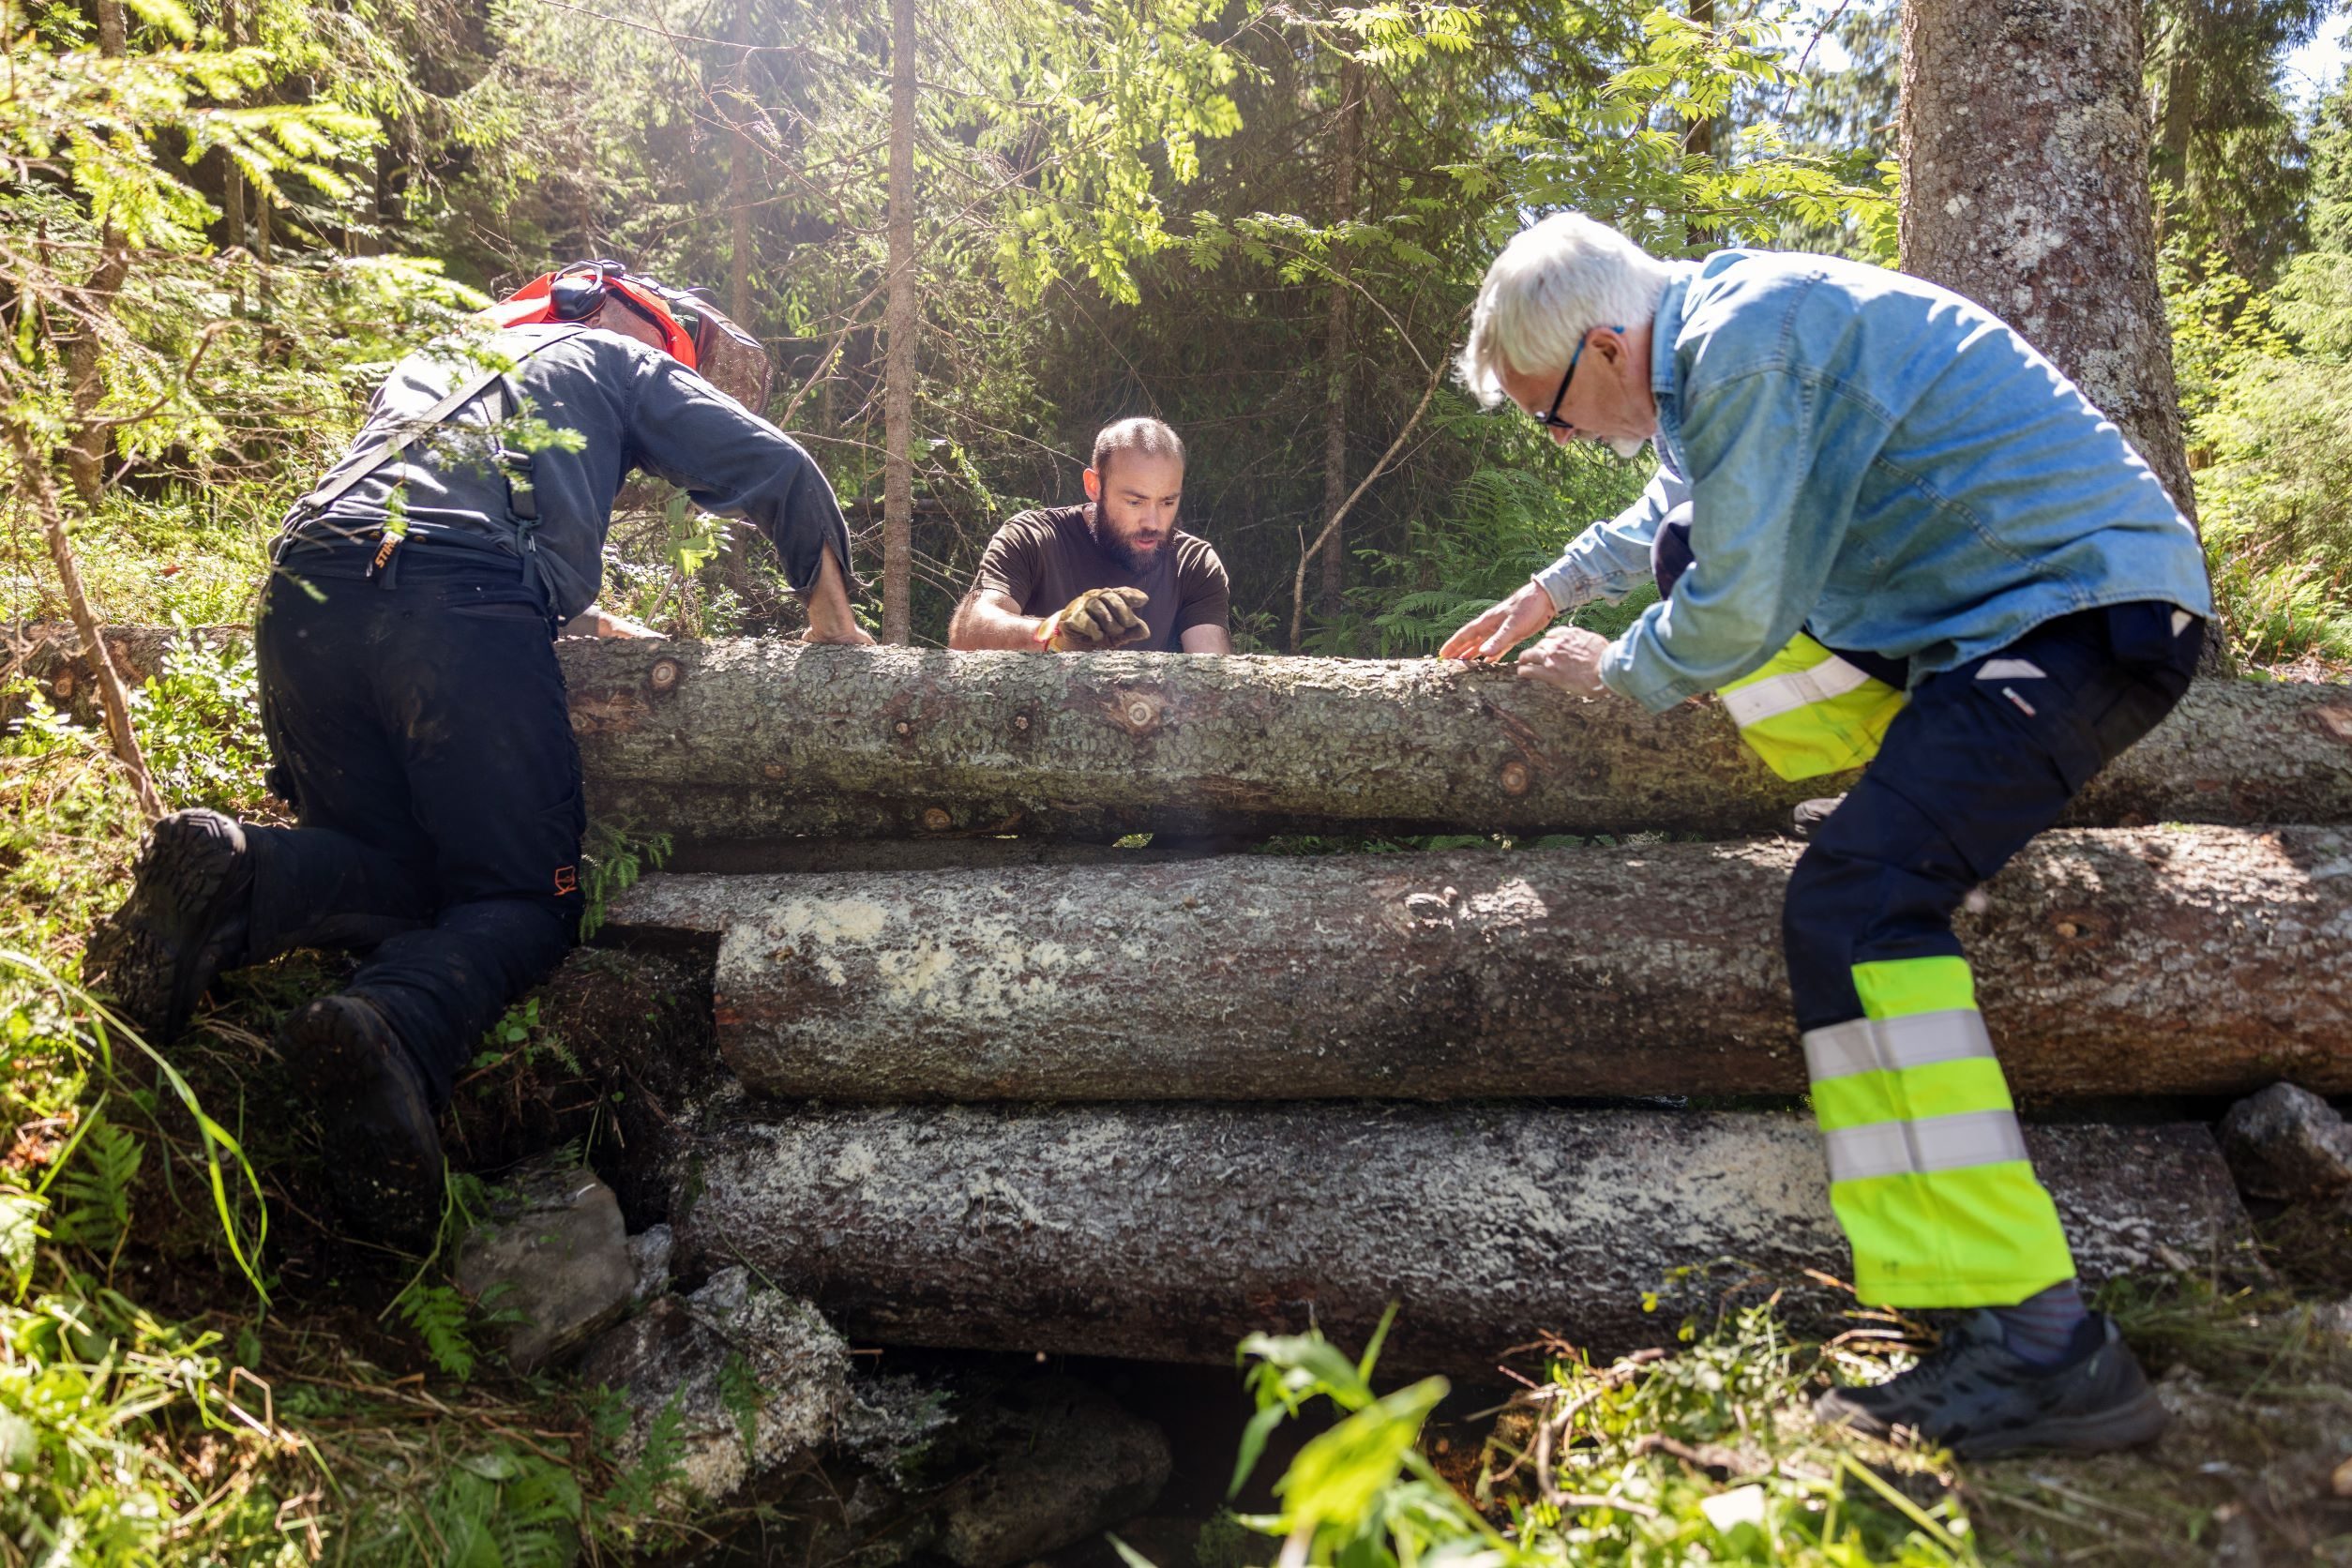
<point x="1878" y="465"/>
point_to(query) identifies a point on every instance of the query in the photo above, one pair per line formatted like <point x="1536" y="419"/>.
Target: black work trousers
<point x="419" y="728"/>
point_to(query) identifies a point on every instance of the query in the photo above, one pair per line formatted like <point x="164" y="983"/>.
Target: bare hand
<point x="1496" y="630"/>
<point x="1569" y="658"/>
<point x="594" y="621"/>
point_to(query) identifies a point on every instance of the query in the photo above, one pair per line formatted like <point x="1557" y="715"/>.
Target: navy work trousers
<point x="420" y="730"/>
<point x="1983" y="757"/>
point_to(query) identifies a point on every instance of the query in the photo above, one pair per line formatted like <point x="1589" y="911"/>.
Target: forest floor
<point x="151" y="1408"/>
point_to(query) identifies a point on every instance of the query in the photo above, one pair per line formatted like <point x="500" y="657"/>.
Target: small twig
<point x="1297" y="581"/>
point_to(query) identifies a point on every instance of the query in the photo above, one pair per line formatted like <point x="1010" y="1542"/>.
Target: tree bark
<point x="1337" y="349"/>
<point x="739" y="749"/>
<point x="114" y="703"/>
<point x="899" y="325"/>
<point x="88" y="441"/>
<point x="2110" y="963"/>
<point x="1168" y="1232"/>
<point x="2025" y="149"/>
<point x="733" y="742"/>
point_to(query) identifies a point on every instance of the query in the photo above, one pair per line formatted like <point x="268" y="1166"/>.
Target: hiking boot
<point x="1811" y="814"/>
<point x="184" y="923"/>
<point x="384" y="1159"/>
<point x="1978" y="1398"/>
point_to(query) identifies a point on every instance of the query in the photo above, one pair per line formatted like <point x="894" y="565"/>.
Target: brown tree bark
<point x="1337" y="348"/>
<point x="1168" y="1232"/>
<point x="898" y="325"/>
<point x="735" y="742"/>
<point x="89" y="440"/>
<point x="741" y="750"/>
<point x="2110" y="963"/>
<point x="114" y="703"/>
<point x="2024" y="147"/>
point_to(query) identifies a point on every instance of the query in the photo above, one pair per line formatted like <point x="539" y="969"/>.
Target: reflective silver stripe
<point x="1937" y="1143"/>
<point x="1885" y="1045"/>
<point x="1799" y="688"/>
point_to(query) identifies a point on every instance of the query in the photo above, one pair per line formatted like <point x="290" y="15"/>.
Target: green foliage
<point x="93" y="1191"/>
<point x="440" y="1313"/>
<point x="613" y="861"/>
<point x="1656" y="1459"/>
<point x="2269" y="411"/>
<point x="198" y="724"/>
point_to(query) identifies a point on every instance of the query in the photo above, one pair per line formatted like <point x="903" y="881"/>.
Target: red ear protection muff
<point x="578" y="292"/>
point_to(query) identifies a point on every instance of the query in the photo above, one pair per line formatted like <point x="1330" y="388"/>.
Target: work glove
<point x="1096" y="620"/>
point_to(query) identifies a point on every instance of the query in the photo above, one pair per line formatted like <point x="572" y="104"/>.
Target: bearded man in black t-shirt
<point x="1114" y="573"/>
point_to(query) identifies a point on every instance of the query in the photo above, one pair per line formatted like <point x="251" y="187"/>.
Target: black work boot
<point x="1978" y="1398"/>
<point x="1811" y="814"/>
<point x="184" y="923"/>
<point x="382" y="1153"/>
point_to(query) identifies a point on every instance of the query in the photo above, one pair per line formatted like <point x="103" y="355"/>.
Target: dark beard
<point x="1133" y="562"/>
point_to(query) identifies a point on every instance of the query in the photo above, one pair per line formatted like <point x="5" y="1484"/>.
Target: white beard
<point x="1628" y="447"/>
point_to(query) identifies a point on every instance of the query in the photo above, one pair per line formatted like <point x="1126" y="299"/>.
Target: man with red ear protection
<point x="415" y="712"/>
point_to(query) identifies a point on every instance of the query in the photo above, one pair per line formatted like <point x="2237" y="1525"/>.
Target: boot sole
<point x="384" y="1159"/>
<point x="153" y="981"/>
<point x="2142" y="1420"/>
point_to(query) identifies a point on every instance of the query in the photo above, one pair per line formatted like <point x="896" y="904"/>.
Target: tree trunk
<point x="114" y="701"/>
<point x="898" y="323"/>
<point x="2025" y="149"/>
<point x="2115" y="962"/>
<point x="88" y="441"/>
<point x="1337" y="349"/>
<point x="732" y="741"/>
<point x="1699" y="140"/>
<point x="1168" y="1232"/>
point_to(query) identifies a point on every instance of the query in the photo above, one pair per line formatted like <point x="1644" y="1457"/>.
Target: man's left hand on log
<point x="1498" y="629"/>
<point x="1569" y="658"/>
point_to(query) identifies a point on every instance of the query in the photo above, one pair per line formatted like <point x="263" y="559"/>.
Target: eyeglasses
<point x="1550" y="418"/>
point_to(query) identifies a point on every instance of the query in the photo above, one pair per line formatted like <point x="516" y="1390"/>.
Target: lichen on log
<point x="720" y="743"/>
<point x="2109" y="962"/>
<point x="1168" y="1232"/>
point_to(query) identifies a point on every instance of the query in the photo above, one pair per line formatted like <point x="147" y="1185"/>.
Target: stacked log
<point x="2194" y="961"/>
<point x="1178" y="1090"/>
<point x="1167" y="1232"/>
<point x="753" y="753"/>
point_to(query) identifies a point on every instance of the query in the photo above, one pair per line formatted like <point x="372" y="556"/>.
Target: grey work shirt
<point x="635" y="407"/>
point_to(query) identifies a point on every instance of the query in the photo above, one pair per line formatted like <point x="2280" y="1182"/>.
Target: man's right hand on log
<point x="1498" y="629"/>
<point x="1096" y="620"/>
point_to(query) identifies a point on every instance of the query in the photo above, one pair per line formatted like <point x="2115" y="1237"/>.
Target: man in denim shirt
<point x="1874" y="464"/>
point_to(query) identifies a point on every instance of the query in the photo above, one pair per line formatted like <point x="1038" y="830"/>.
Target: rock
<point x="755" y="1377"/>
<point x="649" y="1256"/>
<point x="2287" y="1143"/>
<point x="1065" y="1461"/>
<point x="554" y="1251"/>
<point x="891" y="1421"/>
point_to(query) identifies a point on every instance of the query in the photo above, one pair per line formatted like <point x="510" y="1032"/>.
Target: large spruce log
<point x="1169" y="1231"/>
<point x="2109" y="961"/>
<point x="727" y="743"/>
<point x="748" y="741"/>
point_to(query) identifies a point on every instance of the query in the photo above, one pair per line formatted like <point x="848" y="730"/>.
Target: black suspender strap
<point x="367" y="460"/>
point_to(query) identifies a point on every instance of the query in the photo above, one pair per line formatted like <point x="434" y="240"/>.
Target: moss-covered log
<point x="1167" y="1232"/>
<point x="749" y="740"/>
<point x="2109" y="961"/>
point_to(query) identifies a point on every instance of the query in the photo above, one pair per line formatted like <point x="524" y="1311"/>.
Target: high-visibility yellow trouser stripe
<point x="1928" y="1173"/>
<point x="1807" y="711"/>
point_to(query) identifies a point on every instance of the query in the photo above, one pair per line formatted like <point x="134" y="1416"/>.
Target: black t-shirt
<point x="1044" y="559"/>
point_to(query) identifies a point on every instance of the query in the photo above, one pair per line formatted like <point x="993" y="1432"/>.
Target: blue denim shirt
<point x="1876" y="457"/>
